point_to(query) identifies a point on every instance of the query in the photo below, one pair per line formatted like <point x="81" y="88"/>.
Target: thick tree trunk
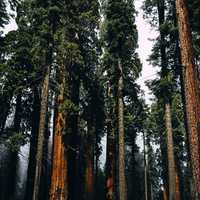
<point x="110" y="156"/>
<point x="89" y="170"/>
<point x="121" y="135"/>
<point x="170" y="151"/>
<point x="41" y="134"/>
<point x="59" y="177"/>
<point x="191" y="91"/>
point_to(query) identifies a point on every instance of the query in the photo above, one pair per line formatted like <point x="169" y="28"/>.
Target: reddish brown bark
<point x="191" y="91"/>
<point x="89" y="172"/>
<point x="59" y="183"/>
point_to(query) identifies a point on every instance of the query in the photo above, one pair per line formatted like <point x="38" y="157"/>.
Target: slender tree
<point x="44" y="38"/>
<point x="167" y="105"/>
<point x="120" y="44"/>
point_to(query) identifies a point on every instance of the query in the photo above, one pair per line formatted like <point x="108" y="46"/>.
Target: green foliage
<point x="69" y="107"/>
<point x="16" y="141"/>
<point x="4" y="17"/>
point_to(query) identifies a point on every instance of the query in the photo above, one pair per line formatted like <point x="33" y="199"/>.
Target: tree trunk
<point x="41" y="134"/>
<point x="110" y="155"/>
<point x="167" y="98"/>
<point x="191" y="91"/>
<point x="33" y="145"/>
<point x="89" y="170"/>
<point x="170" y="151"/>
<point x="59" y="177"/>
<point x="46" y="171"/>
<point x="122" y="176"/>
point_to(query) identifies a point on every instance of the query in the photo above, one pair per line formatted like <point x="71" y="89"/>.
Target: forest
<point x="74" y="121"/>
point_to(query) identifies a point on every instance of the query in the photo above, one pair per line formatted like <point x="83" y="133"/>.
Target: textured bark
<point x="170" y="152"/>
<point x="191" y="91"/>
<point x="41" y="134"/>
<point x="110" y="158"/>
<point x="89" y="171"/>
<point x="59" y="177"/>
<point x="168" y="120"/>
<point x="121" y="132"/>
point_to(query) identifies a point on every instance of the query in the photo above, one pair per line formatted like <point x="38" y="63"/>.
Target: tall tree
<point x="43" y="38"/>
<point x="110" y="149"/>
<point x="191" y="90"/>
<point x="59" y="179"/>
<point x="121" y="59"/>
<point x="168" y="119"/>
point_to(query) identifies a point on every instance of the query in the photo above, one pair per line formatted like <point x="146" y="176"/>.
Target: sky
<point x="145" y="33"/>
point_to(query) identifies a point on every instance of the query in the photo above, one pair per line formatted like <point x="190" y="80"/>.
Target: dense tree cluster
<point x="69" y="93"/>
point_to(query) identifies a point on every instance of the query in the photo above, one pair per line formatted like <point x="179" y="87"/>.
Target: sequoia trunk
<point x="191" y="91"/>
<point x="121" y="135"/>
<point x="59" y="177"/>
<point x="89" y="170"/>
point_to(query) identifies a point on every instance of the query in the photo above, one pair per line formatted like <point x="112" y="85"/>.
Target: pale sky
<point x="145" y="32"/>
